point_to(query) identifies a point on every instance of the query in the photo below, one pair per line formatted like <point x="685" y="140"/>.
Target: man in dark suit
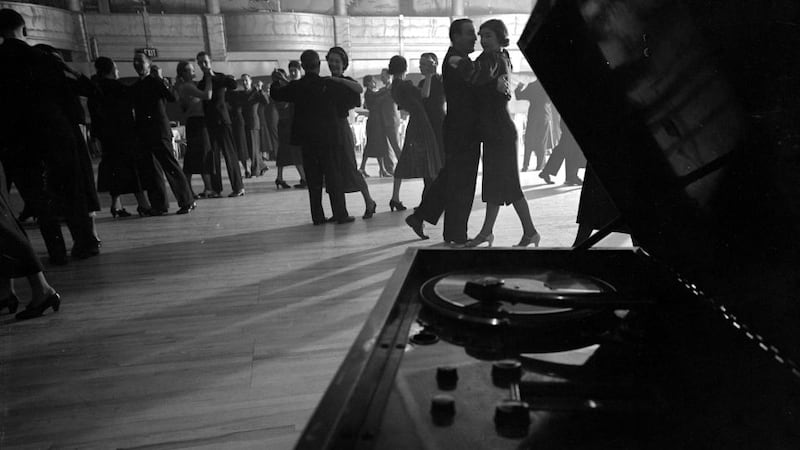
<point x="536" y="126"/>
<point x="39" y="141"/>
<point x="150" y="96"/>
<point x="314" y="129"/>
<point x="218" y="121"/>
<point x="252" y="98"/>
<point x="454" y="189"/>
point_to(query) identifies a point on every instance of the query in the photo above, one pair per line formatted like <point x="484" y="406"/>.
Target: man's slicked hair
<point x="201" y="54"/>
<point x="10" y="20"/>
<point x="309" y="59"/>
<point x="456" y="27"/>
<point x="103" y="65"/>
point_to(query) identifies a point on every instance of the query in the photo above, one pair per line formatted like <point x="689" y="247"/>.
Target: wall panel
<point x="259" y="32"/>
<point x="175" y="36"/>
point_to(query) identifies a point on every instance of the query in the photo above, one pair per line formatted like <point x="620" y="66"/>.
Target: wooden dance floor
<point x="220" y="329"/>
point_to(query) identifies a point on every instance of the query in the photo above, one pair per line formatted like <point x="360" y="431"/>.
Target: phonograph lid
<point x="688" y="113"/>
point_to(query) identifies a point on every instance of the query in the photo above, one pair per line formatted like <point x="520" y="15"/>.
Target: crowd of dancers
<point x="301" y="118"/>
<point x="441" y="147"/>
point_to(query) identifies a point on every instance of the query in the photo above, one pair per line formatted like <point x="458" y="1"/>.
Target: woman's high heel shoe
<point x="11" y="302"/>
<point x="397" y="205"/>
<point x="119" y="212"/>
<point x="281" y="184"/>
<point x="479" y="239"/>
<point x="144" y="212"/>
<point x="370" y="210"/>
<point x="528" y="240"/>
<point x="52" y="301"/>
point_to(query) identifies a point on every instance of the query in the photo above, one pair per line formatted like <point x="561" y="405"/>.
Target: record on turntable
<point x="519" y="299"/>
<point x="502" y="314"/>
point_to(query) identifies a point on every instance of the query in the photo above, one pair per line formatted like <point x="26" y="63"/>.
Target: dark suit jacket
<point x="35" y="98"/>
<point x="314" y="125"/>
<point x="81" y="87"/>
<point x="112" y="112"/>
<point x="215" y="109"/>
<point x="150" y="96"/>
<point x="461" y="121"/>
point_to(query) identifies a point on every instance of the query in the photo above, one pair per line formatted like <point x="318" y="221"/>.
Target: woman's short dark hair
<point x="499" y="29"/>
<point x="397" y="65"/>
<point x="367" y="79"/>
<point x="294" y="63"/>
<point x="182" y="65"/>
<point x="342" y="54"/>
<point x="103" y="65"/>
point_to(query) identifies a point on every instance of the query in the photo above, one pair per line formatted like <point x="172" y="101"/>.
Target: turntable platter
<point x="547" y="293"/>
<point x="451" y="289"/>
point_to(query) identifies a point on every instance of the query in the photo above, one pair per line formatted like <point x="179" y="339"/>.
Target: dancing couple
<point x="320" y="128"/>
<point x="477" y="96"/>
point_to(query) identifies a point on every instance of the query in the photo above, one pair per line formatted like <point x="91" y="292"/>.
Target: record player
<point x="689" y="115"/>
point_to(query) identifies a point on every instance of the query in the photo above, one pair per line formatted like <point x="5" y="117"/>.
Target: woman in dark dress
<point x="292" y="153"/>
<point x="489" y="74"/>
<point x="377" y="145"/>
<point x="17" y="260"/>
<point x="345" y="92"/>
<point x="286" y="151"/>
<point x="421" y="157"/>
<point x="199" y="158"/>
<point x="114" y="126"/>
